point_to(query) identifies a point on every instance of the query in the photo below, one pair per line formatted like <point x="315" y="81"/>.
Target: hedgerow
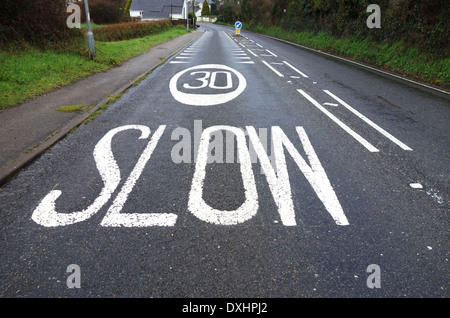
<point x="129" y="30"/>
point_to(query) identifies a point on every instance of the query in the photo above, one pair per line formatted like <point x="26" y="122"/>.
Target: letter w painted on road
<point x="279" y="180"/>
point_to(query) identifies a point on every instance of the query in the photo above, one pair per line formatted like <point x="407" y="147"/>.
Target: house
<point x="199" y="5"/>
<point x="149" y="10"/>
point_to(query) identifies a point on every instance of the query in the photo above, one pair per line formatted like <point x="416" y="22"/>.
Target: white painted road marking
<point x="252" y="52"/>
<point x="199" y="207"/>
<point x="206" y="99"/>
<point x="277" y="178"/>
<point x="295" y="69"/>
<point x="114" y="218"/>
<point x="369" y="122"/>
<point x="46" y="215"/>
<point x="271" y="53"/>
<point x="279" y="181"/>
<point x="364" y="142"/>
<point x="274" y="70"/>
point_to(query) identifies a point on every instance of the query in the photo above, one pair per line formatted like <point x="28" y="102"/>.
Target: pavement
<point x="29" y="129"/>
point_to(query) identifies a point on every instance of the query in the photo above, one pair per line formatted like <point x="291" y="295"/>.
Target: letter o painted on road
<point x="206" y="99"/>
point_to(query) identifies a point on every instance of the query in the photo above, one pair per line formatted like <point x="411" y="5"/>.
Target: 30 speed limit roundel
<point x="207" y="85"/>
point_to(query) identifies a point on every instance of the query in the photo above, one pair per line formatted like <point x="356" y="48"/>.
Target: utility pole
<point x="186" y="11"/>
<point x="193" y="15"/>
<point x="90" y="35"/>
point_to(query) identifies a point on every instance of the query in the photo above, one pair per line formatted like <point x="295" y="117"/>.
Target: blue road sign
<point x="238" y="25"/>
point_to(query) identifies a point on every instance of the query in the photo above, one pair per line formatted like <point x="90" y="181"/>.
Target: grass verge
<point x="30" y="73"/>
<point x="394" y="57"/>
<point x="72" y="108"/>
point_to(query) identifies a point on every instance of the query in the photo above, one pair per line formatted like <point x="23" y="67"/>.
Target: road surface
<point x="242" y="167"/>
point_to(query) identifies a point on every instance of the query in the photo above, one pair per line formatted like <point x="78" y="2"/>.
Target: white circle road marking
<point x="206" y="99"/>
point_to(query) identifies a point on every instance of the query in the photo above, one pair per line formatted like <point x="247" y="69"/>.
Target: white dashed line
<point x="274" y="70"/>
<point x="364" y="142"/>
<point x="272" y="53"/>
<point x="369" y="122"/>
<point x="299" y="72"/>
<point x="252" y="52"/>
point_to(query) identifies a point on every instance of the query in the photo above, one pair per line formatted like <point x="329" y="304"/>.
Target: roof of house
<point x="157" y="6"/>
<point x="164" y="14"/>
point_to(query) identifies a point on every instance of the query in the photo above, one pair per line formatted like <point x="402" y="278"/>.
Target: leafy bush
<point x="105" y="11"/>
<point x="419" y="23"/>
<point x="40" y="24"/>
<point x="129" y="30"/>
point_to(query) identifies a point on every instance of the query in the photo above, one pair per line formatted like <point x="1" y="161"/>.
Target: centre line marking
<point x="369" y="122"/>
<point x="364" y="142"/>
<point x="259" y="45"/>
<point x="301" y="73"/>
<point x="274" y="70"/>
<point x="272" y="53"/>
<point x="331" y="104"/>
<point x="252" y="52"/>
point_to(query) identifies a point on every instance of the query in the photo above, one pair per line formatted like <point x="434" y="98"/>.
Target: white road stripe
<point x="252" y="52"/>
<point x="299" y="72"/>
<point x="274" y="70"/>
<point x="369" y="122"/>
<point x="272" y="53"/>
<point x="259" y="45"/>
<point x="364" y="142"/>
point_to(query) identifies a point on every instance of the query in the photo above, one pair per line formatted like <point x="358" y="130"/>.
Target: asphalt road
<point x="343" y="192"/>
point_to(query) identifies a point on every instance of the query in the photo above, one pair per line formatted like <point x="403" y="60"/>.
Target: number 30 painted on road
<point x="208" y="99"/>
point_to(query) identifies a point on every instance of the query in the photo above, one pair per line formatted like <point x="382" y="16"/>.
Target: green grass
<point x="93" y="25"/>
<point x="394" y="57"/>
<point x="31" y="73"/>
<point x="72" y="108"/>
